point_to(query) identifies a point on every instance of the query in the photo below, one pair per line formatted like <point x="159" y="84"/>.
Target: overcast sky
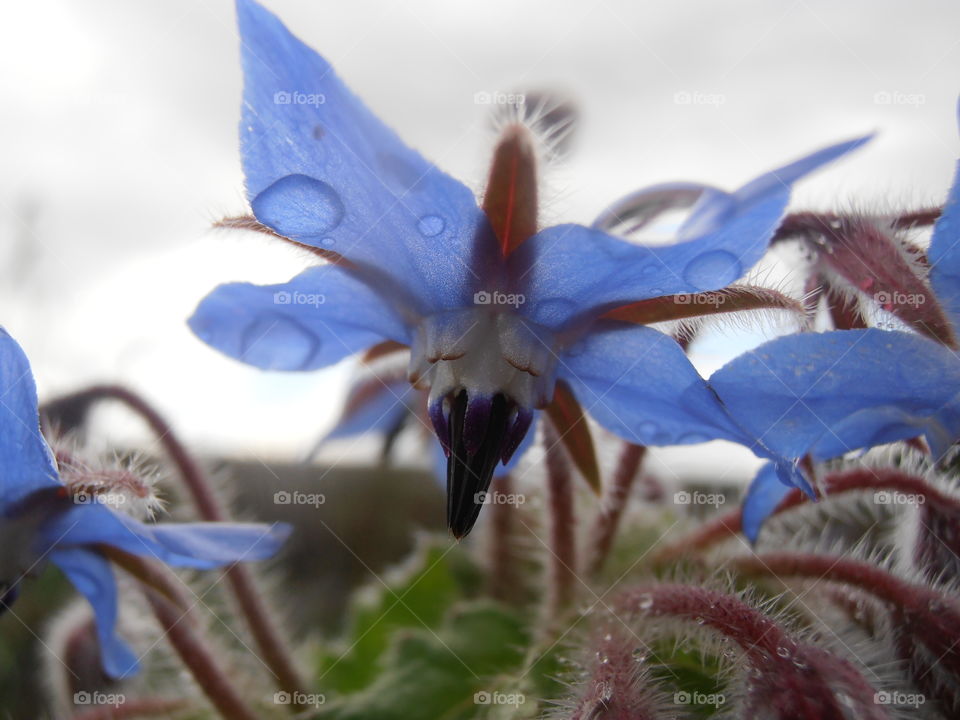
<point x="118" y="138"/>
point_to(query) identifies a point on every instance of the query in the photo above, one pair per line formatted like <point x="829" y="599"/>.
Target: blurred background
<point x="118" y="137"/>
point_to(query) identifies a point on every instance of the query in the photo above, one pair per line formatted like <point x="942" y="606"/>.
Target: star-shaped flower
<point x="497" y="312"/>
<point x="826" y="394"/>
<point x="42" y="520"/>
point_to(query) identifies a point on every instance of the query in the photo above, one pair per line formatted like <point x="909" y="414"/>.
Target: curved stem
<point x="240" y="578"/>
<point x="504" y="582"/>
<point x="563" y="562"/>
<point x="607" y="521"/>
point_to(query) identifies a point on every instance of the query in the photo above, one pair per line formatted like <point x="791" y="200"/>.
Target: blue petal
<point x="569" y="269"/>
<point x="842" y="390"/>
<point x="764" y="495"/>
<point x="321" y="168"/>
<point x="944" y="253"/>
<point x="195" y="545"/>
<point x="384" y="411"/>
<point x="26" y="463"/>
<point x="321" y="316"/>
<point x="528" y="440"/>
<point x="639" y="384"/>
<point x="93" y="577"/>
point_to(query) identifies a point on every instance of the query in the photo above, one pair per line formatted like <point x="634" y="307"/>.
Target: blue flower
<point x="826" y="394"/>
<point x="495" y="312"/>
<point x="42" y="521"/>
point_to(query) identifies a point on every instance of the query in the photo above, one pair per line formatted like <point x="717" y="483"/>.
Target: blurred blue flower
<point x="494" y="317"/>
<point x="42" y="520"/>
<point x="827" y="394"/>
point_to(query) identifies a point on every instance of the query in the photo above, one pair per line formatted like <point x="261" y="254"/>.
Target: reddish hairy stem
<point x="729" y="524"/>
<point x="211" y="678"/>
<point x="266" y="635"/>
<point x="607" y="520"/>
<point x="562" y="543"/>
<point x="504" y="581"/>
<point x="136" y="708"/>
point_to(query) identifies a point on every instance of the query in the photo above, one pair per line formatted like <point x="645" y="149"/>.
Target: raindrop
<point x="783" y="652"/>
<point x="431" y="225"/>
<point x="646" y="602"/>
<point x="299" y="206"/>
<point x="712" y="269"/>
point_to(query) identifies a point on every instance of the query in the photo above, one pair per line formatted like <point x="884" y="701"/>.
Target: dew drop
<point x="328" y="242"/>
<point x="431" y="225"/>
<point x="712" y="269"/>
<point x="645" y="602"/>
<point x="299" y="206"/>
<point x="647" y="429"/>
<point x="277" y="343"/>
<point x="783" y="652"/>
<point x="649" y="270"/>
<point x="699" y="620"/>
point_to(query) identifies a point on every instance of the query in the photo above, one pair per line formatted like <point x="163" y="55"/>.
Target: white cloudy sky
<point x="118" y="143"/>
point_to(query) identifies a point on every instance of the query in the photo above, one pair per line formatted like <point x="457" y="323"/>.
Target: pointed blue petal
<point x="944" y="253"/>
<point x="195" y="545"/>
<point x="528" y="440"/>
<point x="321" y="168"/>
<point x="568" y="269"/>
<point x="764" y="495"/>
<point x="385" y="410"/>
<point x="321" y="316"/>
<point x="638" y="383"/>
<point x="26" y="463"/>
<point x="93" y="577"/>
<point x="842" y="390"/>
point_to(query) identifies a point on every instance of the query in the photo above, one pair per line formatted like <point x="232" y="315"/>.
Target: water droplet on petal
<point x="328" y="242"/>
<point x="650" y="269"/>
<point x="647" y="429"/>
<point x="712" y="270"/>
<point x="431" y="225"/>
<point x="277" y="343"/>
<point x="299" y="206"/>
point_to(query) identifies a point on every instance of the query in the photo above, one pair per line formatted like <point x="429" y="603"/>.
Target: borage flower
<point x="498" y="314"/>
<point x="827" y="394"/>
<point x="42" y="520"/>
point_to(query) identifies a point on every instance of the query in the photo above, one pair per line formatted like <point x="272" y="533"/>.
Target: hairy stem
<point x="607" y="520"/>
<point x="563" y="561"/>
<point x="267" y="636"/>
